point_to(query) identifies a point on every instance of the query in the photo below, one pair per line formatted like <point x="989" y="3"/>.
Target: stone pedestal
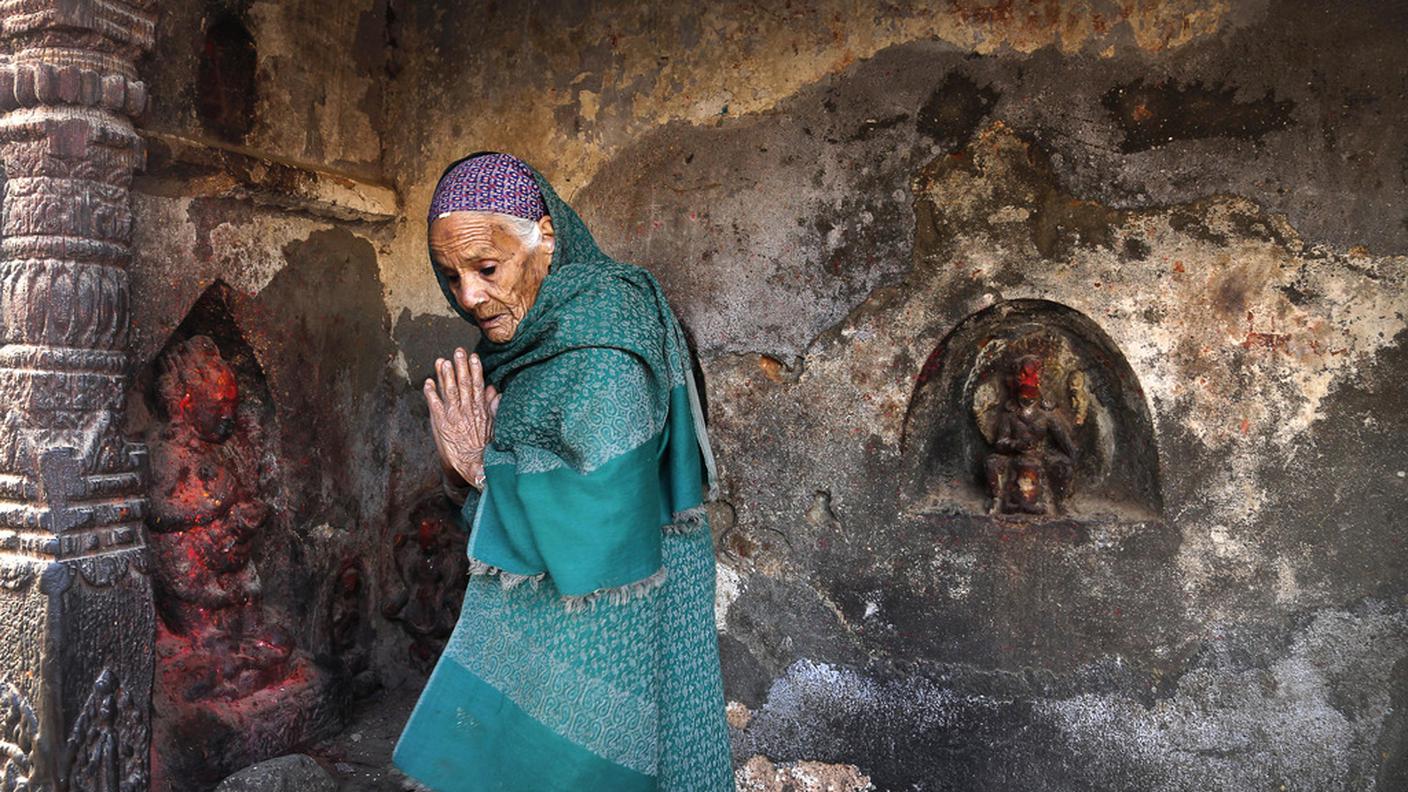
<point x="76" y="617"/>
<point x="198" y="743"/>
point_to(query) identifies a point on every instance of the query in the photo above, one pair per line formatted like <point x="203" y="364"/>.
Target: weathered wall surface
<point x="282" y="219"/>
<point x="827" y="193"/>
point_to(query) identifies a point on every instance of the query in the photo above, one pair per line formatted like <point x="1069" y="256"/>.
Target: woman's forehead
<point x="468" y="234"/>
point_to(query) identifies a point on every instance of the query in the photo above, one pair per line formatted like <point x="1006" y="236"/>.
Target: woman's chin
<point x="499" y="335"/>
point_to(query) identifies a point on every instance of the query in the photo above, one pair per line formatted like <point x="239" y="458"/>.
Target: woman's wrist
<point x="457" y="485"/>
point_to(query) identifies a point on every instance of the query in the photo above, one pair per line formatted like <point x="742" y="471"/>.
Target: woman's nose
<point x="471" y="293"/>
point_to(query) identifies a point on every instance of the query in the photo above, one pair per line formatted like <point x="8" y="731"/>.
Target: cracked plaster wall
<point x="826" y="190"/>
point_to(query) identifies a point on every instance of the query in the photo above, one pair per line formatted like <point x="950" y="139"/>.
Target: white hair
<point x="526" y="230"/>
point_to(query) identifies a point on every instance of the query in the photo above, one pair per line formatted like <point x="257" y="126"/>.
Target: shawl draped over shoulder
<point x="601" y="674"/>
<point x="599" y="441"/>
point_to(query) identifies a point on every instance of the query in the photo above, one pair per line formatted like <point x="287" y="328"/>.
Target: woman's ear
<point x="545" y="229"/>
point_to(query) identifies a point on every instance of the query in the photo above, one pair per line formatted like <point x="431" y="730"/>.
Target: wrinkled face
<point x="493" y="275"/>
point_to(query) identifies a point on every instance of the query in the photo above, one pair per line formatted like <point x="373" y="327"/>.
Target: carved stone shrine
<point x="206" y="513"/>
<point x="1029" y="468"/>
<point x="431" y="573"/>
<point x="1027" y="411"/>
<point x="73" y="567"/>
<point x="233" y="686"/>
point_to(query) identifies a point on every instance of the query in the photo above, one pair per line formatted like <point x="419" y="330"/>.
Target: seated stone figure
<point x="431" y="568"/>
<point x="205" y="515"/>
<point x="1023" y="464"/>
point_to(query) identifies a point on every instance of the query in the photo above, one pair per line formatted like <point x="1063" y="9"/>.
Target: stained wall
<point x="826" y="192"/>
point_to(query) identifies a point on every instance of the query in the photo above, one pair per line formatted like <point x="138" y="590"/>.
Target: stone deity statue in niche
<point x="432" y="570"/>
<point x="206" y="512"/>
<point x="1030" y="468"/>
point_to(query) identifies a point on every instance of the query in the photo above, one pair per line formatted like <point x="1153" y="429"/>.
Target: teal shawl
<point x="582" y="473"/>
<point x="593" y="494"/>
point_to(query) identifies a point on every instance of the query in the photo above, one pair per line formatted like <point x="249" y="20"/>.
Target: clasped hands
<point x="462" y="411"/>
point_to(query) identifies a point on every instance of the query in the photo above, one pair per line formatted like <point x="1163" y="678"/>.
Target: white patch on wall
<point x="728" y="584"/>
<point x="1287" y="588"/>
<point x="954" y="572"/>
<point x="252" y="252"/>
<point x="399" y="367"/>
<point x="1010" y="214"/>
<point x="1225" y="545"/>
<point x="1233" y="728"/>
<point x="759" y="774"/>
<point x="872" y="607"/>
<point x="1238" y="499"/>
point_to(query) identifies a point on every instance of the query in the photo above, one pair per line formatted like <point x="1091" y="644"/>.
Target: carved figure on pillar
<point x="1030" y="468"/>
<point x="19" y="728"/>
<point x="99" y="761"/>
<point x="206" y="513"/>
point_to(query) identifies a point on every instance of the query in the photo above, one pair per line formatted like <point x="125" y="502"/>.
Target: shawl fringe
<point x="577" y="602"/>
<point x="686" y="522"/>
<point x="411" y="785"/>
<point x="615" y="595"/>
<point x="507" y="580"/>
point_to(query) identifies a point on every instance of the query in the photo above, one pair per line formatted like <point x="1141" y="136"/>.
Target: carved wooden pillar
<point x="76" y="617"/>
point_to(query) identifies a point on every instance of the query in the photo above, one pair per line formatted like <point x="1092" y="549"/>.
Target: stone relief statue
<point x="346" y="625"/>
<point x="431" y="574"/>
<point x="19" y="730"/>
<point x="206" y="512"/>
<point x="1032" y="462"/>
<point x="1027" y="412"/>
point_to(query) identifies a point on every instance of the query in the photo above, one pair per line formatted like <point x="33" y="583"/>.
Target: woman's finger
<point x="432" y="399"/>
<point x="463" y="381"/>
<point x="491" y="398"/>
<point x="436" y="408"/>
<point x="437" y="422"/>
<point x="481" y="413"/>
<point x="449" y="388"/>
<point x="476" y="373"/>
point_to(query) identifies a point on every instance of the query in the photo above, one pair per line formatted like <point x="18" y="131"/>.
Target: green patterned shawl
<point x="593" y="493"/>
<point x="599" y="441"/>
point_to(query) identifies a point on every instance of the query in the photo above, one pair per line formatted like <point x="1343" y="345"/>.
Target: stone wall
<point x="261" y="221"/>
<point x="830" y="194"/>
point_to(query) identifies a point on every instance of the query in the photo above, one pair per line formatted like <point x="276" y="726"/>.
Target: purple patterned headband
<point x="489" y="183"/>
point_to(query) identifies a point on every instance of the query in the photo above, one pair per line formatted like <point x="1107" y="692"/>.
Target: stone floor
<point x="360" y="757"/>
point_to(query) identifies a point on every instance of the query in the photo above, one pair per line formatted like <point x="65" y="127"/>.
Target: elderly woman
<point x="585" y="656"/>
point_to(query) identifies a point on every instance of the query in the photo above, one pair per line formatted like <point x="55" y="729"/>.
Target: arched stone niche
<point x="976" y="404"/>
<point x="234" y="665"/>
<point x="213" y="315"/>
